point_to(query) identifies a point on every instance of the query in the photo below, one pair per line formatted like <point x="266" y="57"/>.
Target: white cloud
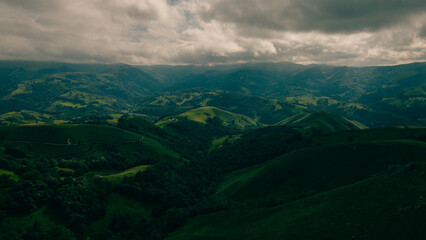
<point x="205" y="32"/>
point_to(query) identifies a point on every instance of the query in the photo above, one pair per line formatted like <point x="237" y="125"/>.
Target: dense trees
<point x="177" y="189"/>
<point x="71" y="193"/>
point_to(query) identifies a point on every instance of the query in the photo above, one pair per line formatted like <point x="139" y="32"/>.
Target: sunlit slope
<point x="263" y="110"/>
<point x="322" y="121"/>
<point x="62" y="92"/>
<point x="228" y="119"/>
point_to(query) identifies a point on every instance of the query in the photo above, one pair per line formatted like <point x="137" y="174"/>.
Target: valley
<point x="238" y="151"/>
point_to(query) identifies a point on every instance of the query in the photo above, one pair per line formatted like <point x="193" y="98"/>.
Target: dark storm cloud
<point x="328" y="16"/>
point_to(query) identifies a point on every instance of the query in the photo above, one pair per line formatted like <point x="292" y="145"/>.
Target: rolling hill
<point x="387" y="206"/>
<point x="202" y="152"/>
<point x="359" y="187"/>
<point x="93" y="144"/>
<point x="63" y="93"/>
<point x="311" y="171"/>
<point x="359" y="184"/>
<point x="266" y="92"/>
<point x="266" y="111"/>
<point x="322" y="121"/>
<point x="201" y="115"/>
<point x="377" y="96"/>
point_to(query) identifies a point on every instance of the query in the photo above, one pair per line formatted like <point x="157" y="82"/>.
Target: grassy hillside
<point x="209" y="169"/>
<point x="311" y="171"/>
<point x="117" y="177"/>
<point x="90" y="143"/>
<point x="59" y="134"/>
<point x="67" y="92"/>
<point x="266" y="92"/>
<point x="261" y="145"/>
<point x="228" y="119"/>
<point x="388" y="206"/>
<point x="376" y="96"/>
<point x="322" y="121"/>
<point x="355" y="184"/>
<point x="266" y="111"/>
<point x="11" y="174"/>
<point x="189" y="138"/>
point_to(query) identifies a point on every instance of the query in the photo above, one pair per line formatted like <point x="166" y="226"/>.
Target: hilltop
<point x="203" y="114"/>
<point x="94" y="145"/>
<point x="321" y="121"/>
<point x="263" y="110"/>
<point x="48" y="92"/>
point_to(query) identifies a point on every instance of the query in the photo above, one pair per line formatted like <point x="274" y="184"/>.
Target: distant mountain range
<point x="245" y="151"/>
<point x="266" y="92"/>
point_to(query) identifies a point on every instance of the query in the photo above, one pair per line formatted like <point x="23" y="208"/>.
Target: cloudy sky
<point x="336" y="32"/>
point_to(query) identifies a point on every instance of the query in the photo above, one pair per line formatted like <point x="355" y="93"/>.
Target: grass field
<point x="87" y="140"/>
<point x="323" y="121"/>
<point x="217" y="142"/>
<point x="389" y="206"/>
<point x="59" y="134"/>
<point x="310" y="171"/>
<point x="202" y="114"/>
<point x="25" y="117"/>
<point x="116" y="177"/>
<point x="12" y="175"/>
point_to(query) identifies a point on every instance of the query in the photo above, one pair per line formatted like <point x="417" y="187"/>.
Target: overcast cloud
<point x="337" y="32"/>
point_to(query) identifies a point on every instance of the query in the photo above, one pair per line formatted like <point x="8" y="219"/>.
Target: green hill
<point x="263" y="110"/>
<point x="311" y="171"/>
<point x="377" y="96"/>
<point x="388" y="206"/>
<point x="321" y="121"/>
<point x="209" y="169"/>
<point x="263" y="144"/>
<point x="66" y="91"/>
<point x="97" y="144"/>
<point x="201" y="115"/>
<point x="59" y="134"/>
<point x="367" y="184"/>
<point x="266" y="92"/>
<point x="191" y="139"/>
<point x="117" y="177"/>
